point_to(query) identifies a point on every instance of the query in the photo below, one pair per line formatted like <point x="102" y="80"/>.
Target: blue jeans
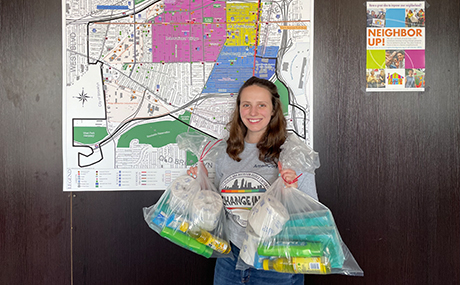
<point x="226" y="274"/>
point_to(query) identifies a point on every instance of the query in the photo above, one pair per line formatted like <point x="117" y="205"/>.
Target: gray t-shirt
<point x="242" y="184"/>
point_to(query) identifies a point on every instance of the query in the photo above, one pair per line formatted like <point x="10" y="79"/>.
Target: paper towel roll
<point x="206" y="209"/>
<point x="268" y="217"/>
<point x="182" y="190"/>
<point x="249" y="248"/>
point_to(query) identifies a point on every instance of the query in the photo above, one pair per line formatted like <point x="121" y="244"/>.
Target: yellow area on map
<point x="241" y="24"/>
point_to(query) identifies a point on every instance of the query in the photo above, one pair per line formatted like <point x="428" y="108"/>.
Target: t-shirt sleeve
<point x="218" y="168"/>
<point x="307" y="184"/>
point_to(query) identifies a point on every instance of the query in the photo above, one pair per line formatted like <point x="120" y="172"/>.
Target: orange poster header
<point x="394" y="32"/>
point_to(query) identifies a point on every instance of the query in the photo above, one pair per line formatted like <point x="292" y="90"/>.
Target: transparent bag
<point x="288" y="231"/>
<point x="190" y="212"/>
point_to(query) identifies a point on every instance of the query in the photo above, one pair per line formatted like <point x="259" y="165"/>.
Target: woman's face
<point x="256" y="110"/>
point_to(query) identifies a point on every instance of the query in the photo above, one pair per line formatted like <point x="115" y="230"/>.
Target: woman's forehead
<point x="254" y="91"/>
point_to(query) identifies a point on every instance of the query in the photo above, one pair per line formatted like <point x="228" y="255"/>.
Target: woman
<point x="409" y="19"/>
<point x="257" y="130"/>
<point x="372" y="80"/>
<point x="421" y="18"/>
<point x="410" y="80"/>
<point x="394" y="63"/>
<point x="381" y="79"/>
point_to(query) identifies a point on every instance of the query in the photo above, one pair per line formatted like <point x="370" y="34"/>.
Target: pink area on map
<point x="190" y="5"/>
<point x="183" y="33"/>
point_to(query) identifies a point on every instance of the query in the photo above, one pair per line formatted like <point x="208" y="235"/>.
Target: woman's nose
<point x="253" y="111"/>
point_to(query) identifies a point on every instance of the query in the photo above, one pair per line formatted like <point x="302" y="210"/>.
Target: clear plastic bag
<point x="190" y="212"/>
<point x="288" y="231"/>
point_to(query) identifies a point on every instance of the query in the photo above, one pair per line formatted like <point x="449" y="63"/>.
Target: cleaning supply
<point x="249" y="248"/>
<point x="206" y="209"/>
<point x="291" y="249"/>
<point x="298" y="265"/>
<point x="185" y="241"/>
<point x="183" y="189"/>
<point x="327" y="236"/>
<point x="177" y="223"/>
<point x="207" y="239"/>
<point x="268" y="217"/>
<point x="157" y="219"/>
<point x="259" y="261"/>
<point x="321" y="218"/>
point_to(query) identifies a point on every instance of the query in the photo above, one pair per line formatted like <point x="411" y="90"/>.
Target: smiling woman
<point x="247" y="169"/>
<point x="267" y="130"/>
<point x="256" y="110"/>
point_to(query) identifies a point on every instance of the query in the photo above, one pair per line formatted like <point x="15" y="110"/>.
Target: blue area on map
<point x="270" y="51"/>
<point x="111" y="7"/>
<point x="265" y="67"/>
<point x="234" y="66"/>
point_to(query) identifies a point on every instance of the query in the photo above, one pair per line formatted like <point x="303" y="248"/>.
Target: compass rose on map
<point x="82" y="97"/>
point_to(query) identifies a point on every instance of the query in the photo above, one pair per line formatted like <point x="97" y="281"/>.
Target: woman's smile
<point x="256" y="110"/>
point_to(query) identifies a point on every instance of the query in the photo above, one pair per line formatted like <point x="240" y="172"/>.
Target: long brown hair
<point x="275" y="134"/>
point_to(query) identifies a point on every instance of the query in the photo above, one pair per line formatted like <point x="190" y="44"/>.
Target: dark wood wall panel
<point x="114" y="245"/>
<point x="34" y="213"/>
<point x="390" y="164"/>
<point x="390" y="161"/>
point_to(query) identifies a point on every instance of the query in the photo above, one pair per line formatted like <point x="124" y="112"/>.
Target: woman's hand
<point x="289" y="176"/>
<point x="193" y="171"/>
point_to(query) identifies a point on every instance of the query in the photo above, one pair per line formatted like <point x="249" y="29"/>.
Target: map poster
<point x="395" y="37"/>
<point x="139" y="72"/>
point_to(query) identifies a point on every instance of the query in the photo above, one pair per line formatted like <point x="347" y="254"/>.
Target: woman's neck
<point x="252" y="139"/>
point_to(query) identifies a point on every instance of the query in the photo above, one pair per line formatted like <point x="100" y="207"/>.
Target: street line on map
<point x="199" y="23"/>
<point x="257" y="38"/>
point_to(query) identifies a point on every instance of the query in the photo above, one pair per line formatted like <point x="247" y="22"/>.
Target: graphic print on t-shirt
<point x="240" y="192"/>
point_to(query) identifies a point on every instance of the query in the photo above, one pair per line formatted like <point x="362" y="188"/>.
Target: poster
<point x="395" y="38"/>
<point x="137" y="73"/>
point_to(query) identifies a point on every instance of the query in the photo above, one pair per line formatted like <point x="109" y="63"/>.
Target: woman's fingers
<point x="289" y="176"/>
<point x="192" y="171"/>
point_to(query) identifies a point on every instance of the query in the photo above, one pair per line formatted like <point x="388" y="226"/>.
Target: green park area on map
<point x="284" y="96"/>
<point x="89" y="135"/>
<point x="159" y="134"/>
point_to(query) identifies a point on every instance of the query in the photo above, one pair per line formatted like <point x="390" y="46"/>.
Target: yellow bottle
<point x="300" y="265"/>
<point x="213" y="242"/>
